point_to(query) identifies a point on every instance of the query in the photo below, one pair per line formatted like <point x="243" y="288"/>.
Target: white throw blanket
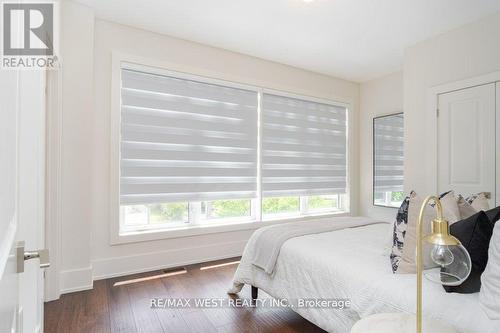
<point x="268" y="240"/>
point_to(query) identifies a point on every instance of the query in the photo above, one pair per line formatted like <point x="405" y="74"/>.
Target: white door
<point x="466" y="141"/>
<point x="9" y="110"/>
<point x="22" y="193"/>
<point x="22" y="169"/>
<point x="31" y="213"/>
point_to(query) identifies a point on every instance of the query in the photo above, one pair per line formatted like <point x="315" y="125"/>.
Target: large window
<point x="196" y="152"/>
<point x="303" y="153"/>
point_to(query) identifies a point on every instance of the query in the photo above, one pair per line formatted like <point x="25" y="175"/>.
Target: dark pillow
<point x="474" y="233"/>
<point x="493" y="214"/>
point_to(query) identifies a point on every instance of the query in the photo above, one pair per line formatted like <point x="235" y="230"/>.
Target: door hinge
<point x="437" y="112"/>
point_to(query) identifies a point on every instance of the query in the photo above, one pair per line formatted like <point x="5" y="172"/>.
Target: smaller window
<point x="388" y="160"/>
<point x="280" y="206"/>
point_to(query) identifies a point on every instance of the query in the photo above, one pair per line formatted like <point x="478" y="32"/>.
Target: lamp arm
<point x="420" y="264"/>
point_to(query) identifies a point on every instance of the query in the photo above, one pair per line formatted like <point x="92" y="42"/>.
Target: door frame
<point x="432" y="123"/>
<point x="53" y="199"/>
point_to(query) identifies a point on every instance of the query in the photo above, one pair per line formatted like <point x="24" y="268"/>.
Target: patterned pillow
<point x="399" y="231"/>
<point x="470" y="205"/>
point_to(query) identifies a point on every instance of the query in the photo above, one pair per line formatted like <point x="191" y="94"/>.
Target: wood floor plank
<point x="198" y="322"/>
<point x="53" y="311"/>
<point x="96" y="310"/>
<point x="72" y="313"/>
<point x="146" y="320"/>
<point x="126" y="308"/>
<point x="230" y="328"/>
<point x="170" y="319"/>
<point x="120" y="310"/>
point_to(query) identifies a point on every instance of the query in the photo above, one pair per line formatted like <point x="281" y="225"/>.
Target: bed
<point x="353" y="263"/>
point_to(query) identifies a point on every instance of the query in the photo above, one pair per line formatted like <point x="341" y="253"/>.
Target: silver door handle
<point x="22" y="256"/>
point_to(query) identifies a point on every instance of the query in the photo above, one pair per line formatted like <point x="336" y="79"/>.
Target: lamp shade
<point x="454" y="264"/>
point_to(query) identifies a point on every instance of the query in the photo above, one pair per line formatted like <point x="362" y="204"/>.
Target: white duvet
<point x="353" y="263"/>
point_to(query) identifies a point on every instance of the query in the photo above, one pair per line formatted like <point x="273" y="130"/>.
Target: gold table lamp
<point x="447" y="252"/>
<point x="455" y="266"/>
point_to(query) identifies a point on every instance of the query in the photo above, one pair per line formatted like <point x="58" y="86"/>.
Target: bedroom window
<point x="186" y="141"/>
<point x="196" y="151"/>
<point x="388" y="158"/>
<point x="304" y="153"/>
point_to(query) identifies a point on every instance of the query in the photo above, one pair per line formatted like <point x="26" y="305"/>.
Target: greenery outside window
<point x="181" y="214"/>
<point x="324" y="203"/>
<point x="287" y="207"/>
<point x="280" y="206"/>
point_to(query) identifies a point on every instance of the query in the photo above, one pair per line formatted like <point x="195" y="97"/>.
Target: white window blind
<point x="304" y="147"/>
<point x="389" y="153"/>
<point x="183" y="140"/>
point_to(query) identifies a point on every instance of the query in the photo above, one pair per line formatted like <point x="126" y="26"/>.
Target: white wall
<point x="87" y="49"/>
<point x="378" y="97"/>
<point x="185" y="57"/>
<point x="77" y="45"/>
<point x="469" y="51"/>
<point x="466" y="52"/>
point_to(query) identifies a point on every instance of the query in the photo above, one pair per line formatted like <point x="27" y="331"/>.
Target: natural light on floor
<point x="149" y="278"/>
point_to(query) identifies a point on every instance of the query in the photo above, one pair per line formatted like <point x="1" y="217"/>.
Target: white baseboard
<point x="82" y="278"/>
<point x="120" y="266"/>
<point x="76" y="280"/>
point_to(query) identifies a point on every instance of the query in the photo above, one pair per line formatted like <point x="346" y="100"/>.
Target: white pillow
<point x="489" y="295"/>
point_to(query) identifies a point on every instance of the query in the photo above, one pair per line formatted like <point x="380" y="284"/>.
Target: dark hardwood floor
<point x="126" y="307"/>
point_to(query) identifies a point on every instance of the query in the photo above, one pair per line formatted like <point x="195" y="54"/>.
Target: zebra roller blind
<point x="183" y="140"/>
<point x="388" y="135"/>
<point x="304" y="147"/>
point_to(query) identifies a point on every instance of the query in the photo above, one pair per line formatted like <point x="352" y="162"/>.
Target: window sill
<point x="204" y="229"/>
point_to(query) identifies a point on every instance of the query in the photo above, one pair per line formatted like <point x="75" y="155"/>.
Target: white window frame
<point x="119" y="235"/>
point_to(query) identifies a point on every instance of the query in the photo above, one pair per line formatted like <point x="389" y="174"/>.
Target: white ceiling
<point x="352" y="39"/>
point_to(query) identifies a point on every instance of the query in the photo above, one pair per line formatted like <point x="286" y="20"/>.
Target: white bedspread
<point x="267" y="241"/>
<point x="353" y="263"/>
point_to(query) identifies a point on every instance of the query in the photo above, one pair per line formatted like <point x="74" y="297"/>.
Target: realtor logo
<point x="28" y="35"/>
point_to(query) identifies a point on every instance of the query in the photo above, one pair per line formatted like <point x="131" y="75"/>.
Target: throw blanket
<point x="268" y="240"/>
